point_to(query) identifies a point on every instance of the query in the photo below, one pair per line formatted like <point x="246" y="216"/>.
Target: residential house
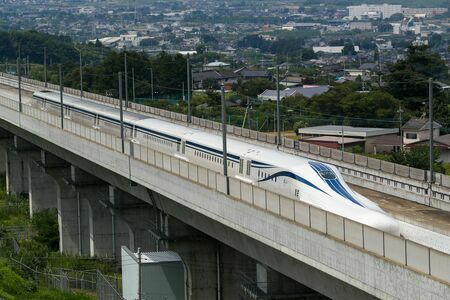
<point x="307" y="90"/>
<point x="372" y="140"/>
<point x="441" y="142"/>
<point x="245" y="74"/>
<point x="417" y="130"/>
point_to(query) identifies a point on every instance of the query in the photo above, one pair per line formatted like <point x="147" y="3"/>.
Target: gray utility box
<point x="163" y="276"/>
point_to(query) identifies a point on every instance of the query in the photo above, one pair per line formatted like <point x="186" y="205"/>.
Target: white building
<point x="365" y="11"/>
<point x="360" y="25"/>
<point x="331" y="49"/>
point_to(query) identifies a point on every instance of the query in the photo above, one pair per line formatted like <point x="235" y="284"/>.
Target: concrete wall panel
<point x="304" y="146"/>
<point x="253" y="134"/>
<point x="361" y="160"/>
<point x="237" y="130"/>
<point x="314" y="149"/>
<point x="353" y="233"/>
<point x="402" y="170"/>
<point x="373" y="240"/>
<point x="262" y="136"/>
<point x="318" y="219"/>
<point x="336" y="154"/>
<point x="203" y="176"/>
<point x="259" y="197"/>
<point x="158" y="159"/>
<point x="394" y="248"/>
<point x="417" y="174"/>
<point x="348" y="157"/>
<point x="221" y="182"/>
<point x="287" y="208"/>
<point x="216" y="125"/>
<point x="166" y="162"/>
<point x="273" y="202"/>
<point x="245" y="132"/>
<point x="151" y="156"/>
<point x="335" y="226"/>
<point x="325" y="152"/>
<point x="271" y="139"/>
<point x="440" y="265"/>
<point x="184" y="169"/>
<point x="193" y="172"/>
<point x="446" y="181"/>
<point x="301" y="213"/>
<point x="212" y="179"/>
<point x="144" y="154"/>
<point x="175" y="163"/>
<point x="373" y="163"/>
<point x="287" y="142"/>
<point x="417" y="257"/>
<point x="387" y="167"/>
<point x="247" y="193"/>
<point x="235" y="188"/>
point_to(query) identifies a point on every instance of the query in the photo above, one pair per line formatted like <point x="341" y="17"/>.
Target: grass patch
<point x="14" y="211"/>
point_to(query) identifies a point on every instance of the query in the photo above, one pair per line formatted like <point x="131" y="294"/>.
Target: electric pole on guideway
<point x="61" y="90"/>
<point x="122" y="137"/>
<point x="431" y="120"/>
<point x="224" y="138"/>
<point x="126" y="80"/>
<point x="188" y="89"/>
<point x="20" y="82"/>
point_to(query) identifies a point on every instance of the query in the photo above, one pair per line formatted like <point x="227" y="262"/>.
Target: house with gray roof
<point x="307" y="90"/>
<point x="417" y="130"/>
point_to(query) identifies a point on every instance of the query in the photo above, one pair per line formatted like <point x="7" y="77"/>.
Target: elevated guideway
<point x="338" y="257"/>
<point x="393" y="179"/>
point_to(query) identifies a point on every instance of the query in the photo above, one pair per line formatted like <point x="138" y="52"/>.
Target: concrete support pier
<point x="42" y="189"/>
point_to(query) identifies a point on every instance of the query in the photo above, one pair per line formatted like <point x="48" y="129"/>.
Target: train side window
<point x="241" y="166"/>
<point x="297" y="192"/>
<point x="249" y="167"/>
<point x="183" y="147"/>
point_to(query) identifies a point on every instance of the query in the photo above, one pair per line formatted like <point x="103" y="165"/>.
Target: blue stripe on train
<point x="293" y="176"/>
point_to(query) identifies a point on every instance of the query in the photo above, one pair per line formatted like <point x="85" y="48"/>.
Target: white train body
<point x="313" y="182"/>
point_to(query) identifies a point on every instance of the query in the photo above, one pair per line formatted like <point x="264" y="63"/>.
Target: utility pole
<point x="182" y="90"/>
<point x="122" y="137"/>
<point x="134" y="87"/>
<point x="431" y="120"/>
<point x="61" y="89"/>
<point x="81" y="75"/>
<point x="126" y="80"/>
<point x="342" y="137"/>
<point x="139" y="274"/>
<point x="45" y="66"/>
<point x="278" y="108"/>
<point x="20" y="83"/>
<point x="151" y="82"/>
<point x="400" y="112"/>
<point x="224" y="138"/>
<point x="189" y="89"/>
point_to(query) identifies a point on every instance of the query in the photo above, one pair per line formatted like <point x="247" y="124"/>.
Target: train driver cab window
<point x="327" y="175"/>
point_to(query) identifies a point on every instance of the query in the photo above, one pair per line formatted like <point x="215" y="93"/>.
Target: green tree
<point x="408" y="80"/>
<point x="254" y="87"/>
<point x="418" y="157"/>
<point x="45" y="227"/>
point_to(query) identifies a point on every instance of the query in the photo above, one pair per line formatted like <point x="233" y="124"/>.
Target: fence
<point x="367" y="169"/>
<point x="68" y="281"/>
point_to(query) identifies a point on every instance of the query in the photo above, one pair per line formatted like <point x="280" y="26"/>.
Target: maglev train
<point x="316" y="183"/>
